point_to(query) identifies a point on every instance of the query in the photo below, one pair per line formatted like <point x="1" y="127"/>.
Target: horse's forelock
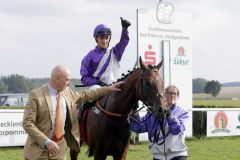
<point x="150" y="66"/>
<point x="154" y="68"/>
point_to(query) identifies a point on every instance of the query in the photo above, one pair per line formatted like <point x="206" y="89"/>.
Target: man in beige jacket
<point x="40" y="115"/>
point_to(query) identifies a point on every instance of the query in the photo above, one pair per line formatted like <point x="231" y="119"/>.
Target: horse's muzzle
<point x="157" y="112"/>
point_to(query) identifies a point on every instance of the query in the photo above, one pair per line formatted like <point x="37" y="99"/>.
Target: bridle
<point x="140" y="85"/>
<point x="141" y="92"/>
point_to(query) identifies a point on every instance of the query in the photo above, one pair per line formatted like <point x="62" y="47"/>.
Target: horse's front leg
<point x="125" y="151"/>
<point x="73" y="154"/>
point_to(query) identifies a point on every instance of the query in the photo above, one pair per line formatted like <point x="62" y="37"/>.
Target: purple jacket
<point x="173" y="125"/>
<point x="172" y="143"/>
<point x="91" y="61"/>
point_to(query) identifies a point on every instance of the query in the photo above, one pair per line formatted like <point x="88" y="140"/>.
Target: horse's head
<point x="151" y="87"/>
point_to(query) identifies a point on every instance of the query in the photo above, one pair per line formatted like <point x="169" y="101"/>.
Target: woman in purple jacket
<point x="100" y="66"/>
<point x="165" y="135"/>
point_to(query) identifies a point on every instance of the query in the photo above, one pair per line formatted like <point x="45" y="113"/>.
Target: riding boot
<point x="82" y="109"/>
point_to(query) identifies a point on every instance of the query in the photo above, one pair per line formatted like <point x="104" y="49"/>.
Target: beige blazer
<point x="38" y="118"/>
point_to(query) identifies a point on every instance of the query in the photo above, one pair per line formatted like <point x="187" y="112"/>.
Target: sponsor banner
<point x="151" y="34"/>
<point x="171" y="41"/>
<point x="223" y="123"/>
<point x="11" y="131"/>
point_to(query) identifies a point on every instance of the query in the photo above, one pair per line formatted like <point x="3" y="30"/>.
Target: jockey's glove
<point x="125" y="23"/>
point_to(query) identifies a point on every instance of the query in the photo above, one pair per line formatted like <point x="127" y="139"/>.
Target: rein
<point x="109" y="113"/>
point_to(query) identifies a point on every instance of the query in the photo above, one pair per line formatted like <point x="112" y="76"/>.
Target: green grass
<point x="217" y="103"/>
<point x="214" y="149"/>
<point x="225" y="148"/>
<point x="11" y="153"/>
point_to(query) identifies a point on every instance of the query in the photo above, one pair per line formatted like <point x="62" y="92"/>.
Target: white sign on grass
<point x="223" y="123"/>
<point x="11" y="131"/>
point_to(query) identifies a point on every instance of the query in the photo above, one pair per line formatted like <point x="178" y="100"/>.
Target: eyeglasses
<point x="172" y="93"/>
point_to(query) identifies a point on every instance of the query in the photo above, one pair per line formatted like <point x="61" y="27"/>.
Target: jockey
<point x="100" y="66"/>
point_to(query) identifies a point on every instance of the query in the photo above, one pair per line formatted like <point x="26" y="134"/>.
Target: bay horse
<point x="107" y="121"/>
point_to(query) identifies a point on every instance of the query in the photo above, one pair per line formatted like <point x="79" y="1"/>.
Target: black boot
<point x="82" y="109"/>
<point x="80" y="113"/>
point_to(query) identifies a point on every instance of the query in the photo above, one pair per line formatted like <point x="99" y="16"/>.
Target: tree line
<point x="19" y="84"/>
<point x="201" y="85"/>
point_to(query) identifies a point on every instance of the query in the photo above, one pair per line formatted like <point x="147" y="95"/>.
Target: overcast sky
<point x="35" y="35"/>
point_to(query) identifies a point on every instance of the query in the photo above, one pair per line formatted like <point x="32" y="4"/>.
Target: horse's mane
<point x="125" y="76"/>
<point x="129" y="72"/>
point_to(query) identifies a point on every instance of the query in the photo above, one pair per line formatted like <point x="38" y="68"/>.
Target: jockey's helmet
<point x="102" y="30"/>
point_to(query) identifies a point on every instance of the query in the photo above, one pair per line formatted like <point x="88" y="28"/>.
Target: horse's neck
<point x="123" y="102"/>
<point x="118" y="103"/>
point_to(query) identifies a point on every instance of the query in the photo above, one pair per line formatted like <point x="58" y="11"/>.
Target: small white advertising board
<point x="11" y="131"/>
<point x="171" y="41"/>
<point x="223" y="123"/>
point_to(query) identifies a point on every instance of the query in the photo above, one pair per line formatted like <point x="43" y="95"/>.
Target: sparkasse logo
<point x="181" y="58"/>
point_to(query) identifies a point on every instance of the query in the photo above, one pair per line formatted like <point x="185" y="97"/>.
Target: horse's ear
<point x="142" y="65"/>
<point x="160" y="65"/>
